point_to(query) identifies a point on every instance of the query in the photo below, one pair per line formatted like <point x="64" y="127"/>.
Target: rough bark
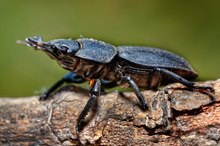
<point x="176" y="116"/>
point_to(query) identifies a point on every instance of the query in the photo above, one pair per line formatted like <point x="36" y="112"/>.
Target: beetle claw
<point x="42" y="97"/>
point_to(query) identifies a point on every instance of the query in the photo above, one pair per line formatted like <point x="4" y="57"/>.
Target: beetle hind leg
<point x="189" y="84"/>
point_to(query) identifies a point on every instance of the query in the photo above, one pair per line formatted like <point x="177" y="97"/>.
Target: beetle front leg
<point x="95" y="91"/>
<point x="68" y="78"/>
<point x="137" y="91"/>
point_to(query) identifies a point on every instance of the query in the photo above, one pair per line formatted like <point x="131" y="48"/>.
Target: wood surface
<point x="176" y="116"/>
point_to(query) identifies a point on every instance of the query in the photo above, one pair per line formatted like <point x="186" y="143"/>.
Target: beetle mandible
<point x="104" y="64"/>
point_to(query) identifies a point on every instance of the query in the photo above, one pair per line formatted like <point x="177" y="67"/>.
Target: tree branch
<point x="176" y="116"/>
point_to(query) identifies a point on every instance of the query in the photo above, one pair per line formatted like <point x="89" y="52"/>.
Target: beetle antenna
<point x="21" y="42"/>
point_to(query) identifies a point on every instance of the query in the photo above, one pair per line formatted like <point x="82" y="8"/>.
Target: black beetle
<point x="104" y="64"/>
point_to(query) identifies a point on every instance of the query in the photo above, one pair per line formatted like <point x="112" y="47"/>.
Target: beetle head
<point x="62" y="50"/>
<point x="54" y="47"/>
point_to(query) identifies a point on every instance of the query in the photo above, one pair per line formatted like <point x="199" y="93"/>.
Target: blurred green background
<point x="189" y="28"/>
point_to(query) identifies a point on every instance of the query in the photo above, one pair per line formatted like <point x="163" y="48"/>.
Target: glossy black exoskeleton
<point x="104" y="64"/>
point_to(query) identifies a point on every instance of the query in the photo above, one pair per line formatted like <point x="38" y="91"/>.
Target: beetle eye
<point x="53" y="47"/>
<point x="64" y="48"/>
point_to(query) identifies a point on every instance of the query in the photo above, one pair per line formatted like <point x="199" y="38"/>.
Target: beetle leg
<point x="108" y="84"/>
<point x="184" y="81"/>
<point x="68" y="78"/>
<point x="154" y="79"/>
<point x="95" y="91"/>
<point x="137" y="91"/>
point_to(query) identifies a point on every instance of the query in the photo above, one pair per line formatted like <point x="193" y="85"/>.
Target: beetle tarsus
<point x="204" y="88"/>
<point x="45" y="95"/>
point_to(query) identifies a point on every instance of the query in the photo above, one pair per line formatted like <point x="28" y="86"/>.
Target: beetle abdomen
<point x="153" y="57"/>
